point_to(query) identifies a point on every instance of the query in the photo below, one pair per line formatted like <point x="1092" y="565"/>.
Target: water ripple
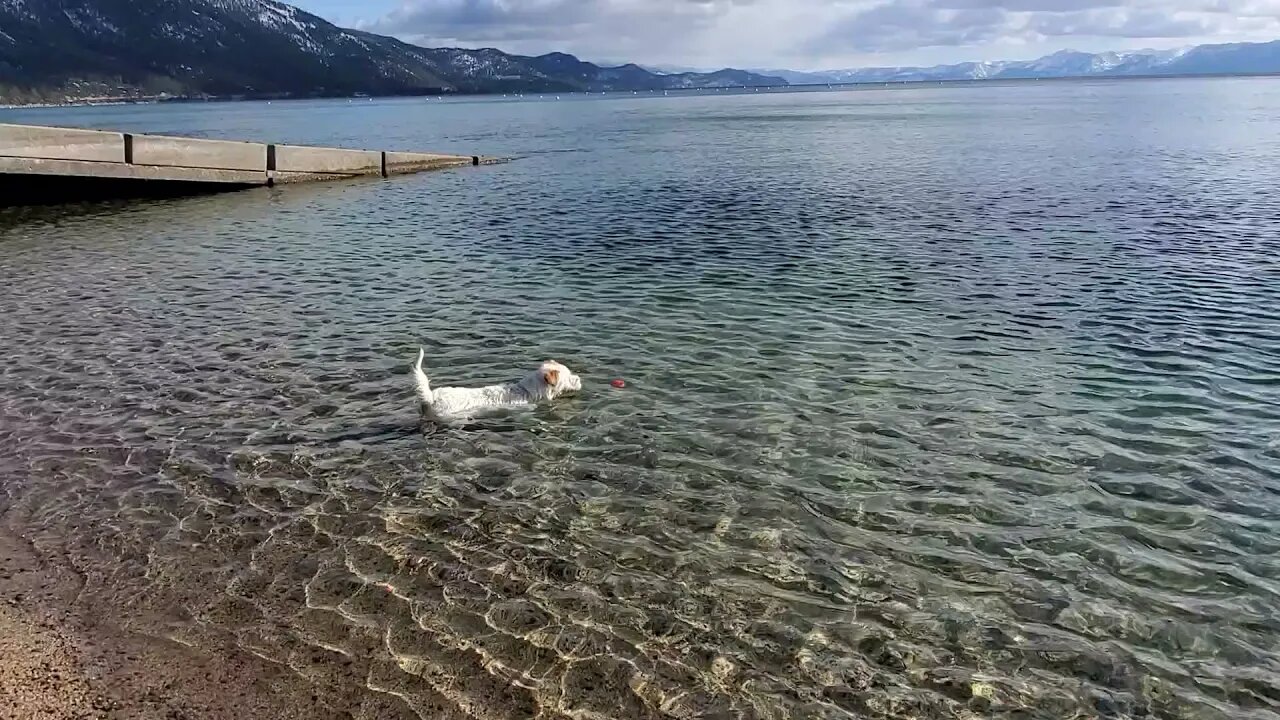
<point x="914" y="427"/>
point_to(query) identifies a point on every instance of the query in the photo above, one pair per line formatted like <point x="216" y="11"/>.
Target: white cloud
<point x="825" y="33"/>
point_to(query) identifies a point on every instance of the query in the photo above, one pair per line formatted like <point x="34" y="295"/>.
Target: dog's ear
<point x="551" y="377"/>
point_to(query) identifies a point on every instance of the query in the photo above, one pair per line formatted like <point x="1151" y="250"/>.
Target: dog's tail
<point x="424" y="385"/>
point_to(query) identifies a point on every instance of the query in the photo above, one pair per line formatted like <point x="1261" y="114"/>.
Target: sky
<point x="807" y="34"/>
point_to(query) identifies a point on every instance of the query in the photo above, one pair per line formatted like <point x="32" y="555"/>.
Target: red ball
<point x="619" y="383"/>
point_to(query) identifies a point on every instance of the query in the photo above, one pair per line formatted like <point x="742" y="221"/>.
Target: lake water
<point x="944" y="402"/>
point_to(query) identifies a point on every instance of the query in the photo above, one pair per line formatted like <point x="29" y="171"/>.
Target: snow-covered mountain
<point x="1235" y="58"/>
<point x="796" y="77"/>
<point x="55" y="49"/>
<point x="675" y="69"/>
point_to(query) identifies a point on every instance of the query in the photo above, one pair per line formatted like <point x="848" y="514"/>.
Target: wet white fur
<point x="548" y="382"/>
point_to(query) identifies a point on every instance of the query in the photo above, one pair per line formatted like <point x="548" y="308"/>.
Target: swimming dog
<point x="548" y="382"/>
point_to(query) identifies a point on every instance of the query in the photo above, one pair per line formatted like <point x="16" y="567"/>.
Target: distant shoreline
<point x="1055" y="78"/>
<point x="165" y="99"/>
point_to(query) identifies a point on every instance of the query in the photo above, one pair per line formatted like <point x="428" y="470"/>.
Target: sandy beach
<point x="59" y="661"/>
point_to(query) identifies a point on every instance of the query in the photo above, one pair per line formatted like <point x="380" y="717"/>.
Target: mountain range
<point x="1228" y="59"/>
<point x="64" y="50"/>
<point x="60" y="50"/>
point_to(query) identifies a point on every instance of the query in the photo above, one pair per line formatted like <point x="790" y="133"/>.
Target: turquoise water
<point x="942" y="403"/>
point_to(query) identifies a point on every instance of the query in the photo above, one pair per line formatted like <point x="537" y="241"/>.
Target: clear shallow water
<point x="943" y="403"/>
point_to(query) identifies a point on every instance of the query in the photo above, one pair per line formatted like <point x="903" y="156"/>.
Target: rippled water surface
<point x="942" y="403"/>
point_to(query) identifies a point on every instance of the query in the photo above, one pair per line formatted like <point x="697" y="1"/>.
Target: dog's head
<point x="551" y="380"/>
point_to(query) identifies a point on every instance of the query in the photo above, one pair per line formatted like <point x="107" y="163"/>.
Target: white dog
<point x="548" y="382"/>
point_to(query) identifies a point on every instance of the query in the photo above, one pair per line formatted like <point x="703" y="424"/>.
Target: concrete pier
<point x="40" y="165"/>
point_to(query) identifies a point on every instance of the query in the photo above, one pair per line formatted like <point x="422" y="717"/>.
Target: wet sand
<point x="60" y="661"/>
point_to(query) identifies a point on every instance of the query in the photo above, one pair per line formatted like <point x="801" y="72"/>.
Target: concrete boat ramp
<point x="41" y="165"/>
